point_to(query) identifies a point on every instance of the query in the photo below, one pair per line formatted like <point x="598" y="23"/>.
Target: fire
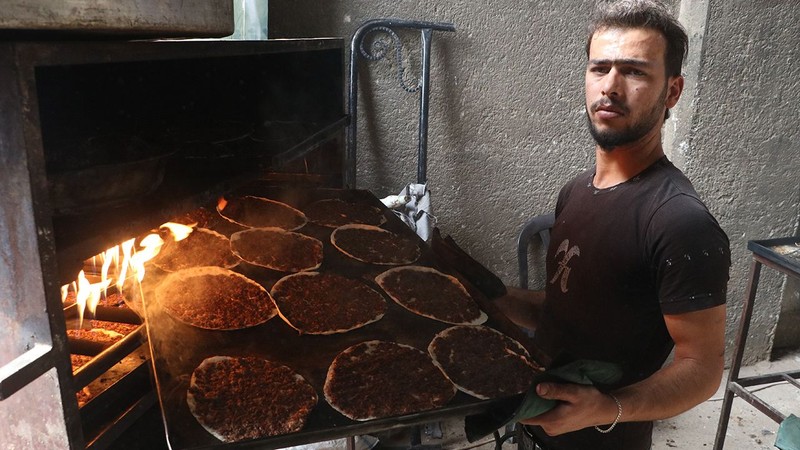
<point x="179" y="231"/>
<point x="117" y="263"/>
<point x="221" y="203"/>
<point x="88" y="294"/>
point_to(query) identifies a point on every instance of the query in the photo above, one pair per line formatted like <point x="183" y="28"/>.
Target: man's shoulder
<point x="664" y="175"/>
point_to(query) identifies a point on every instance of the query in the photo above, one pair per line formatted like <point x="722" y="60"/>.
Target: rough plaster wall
<point x="41" y="424"/>
<point x="787" y="333"/>
<point x="507" y="125"/>
<point x="743" y="148"/>
<point x="506" y="118"/>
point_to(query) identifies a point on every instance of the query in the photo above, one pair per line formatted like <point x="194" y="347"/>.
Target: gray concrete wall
<point x="744" y="143"/>
<point x="508" y="129"/>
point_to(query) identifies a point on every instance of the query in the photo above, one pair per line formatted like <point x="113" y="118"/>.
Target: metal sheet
<point x="780" y="253"/>
<point x="177" y="348"/>
<point x="141" y="18"/>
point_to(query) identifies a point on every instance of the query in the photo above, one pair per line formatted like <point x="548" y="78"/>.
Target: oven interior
<point x="126" y="136"/>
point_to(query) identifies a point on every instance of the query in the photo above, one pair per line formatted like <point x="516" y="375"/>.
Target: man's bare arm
<point x="521" y="306"/>
<point x="694" y="374"/>
<point x="692" y="377"/>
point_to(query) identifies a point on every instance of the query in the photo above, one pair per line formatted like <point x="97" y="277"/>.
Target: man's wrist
<point x="616" y="419"/>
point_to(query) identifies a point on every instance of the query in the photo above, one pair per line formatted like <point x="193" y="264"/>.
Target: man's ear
<point x="674" y="90"/>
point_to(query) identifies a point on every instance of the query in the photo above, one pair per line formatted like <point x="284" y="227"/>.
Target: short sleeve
<point x="690" y="255"/>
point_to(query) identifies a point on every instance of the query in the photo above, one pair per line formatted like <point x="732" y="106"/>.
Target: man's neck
<point x="624" y="162"/>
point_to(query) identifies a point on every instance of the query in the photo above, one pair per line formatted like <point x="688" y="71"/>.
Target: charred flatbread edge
<point x="235" y="237"/>
<point x="380" y="279"/>
<point x="374" y="342"/>
<point x="301" y="214"/>
<point x="417" y="253"/>
<point x="343" y="330"/>
<point x="191" y="403"/>
<point x="378" y="213"/>
<point x="212" y="270"/>
<point x="234" y="260"/>
<point x="522" y="351"/>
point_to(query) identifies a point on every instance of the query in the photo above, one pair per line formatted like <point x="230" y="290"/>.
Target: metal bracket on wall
<point x="378" y="51"/>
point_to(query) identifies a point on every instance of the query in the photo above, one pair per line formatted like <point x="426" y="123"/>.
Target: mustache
<point x="606" y="102"/>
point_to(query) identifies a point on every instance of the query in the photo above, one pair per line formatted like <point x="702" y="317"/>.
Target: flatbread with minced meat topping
<point x="200" y="217"/>
<point x="203" y="247"/>
<point x="98" y="335"/>
<point x="214" y="298"/>
<point x="248" y="397"/>
<point x="433" y="294"/>
<point x="377" y="379"/>
<point x="334" y="212"/>
<point x="277" y="249"/>
<point x="258" y="212"/>
<point x="482" y="361"/>
<point x="375" y="245"/>
<point x="326" y="303"/>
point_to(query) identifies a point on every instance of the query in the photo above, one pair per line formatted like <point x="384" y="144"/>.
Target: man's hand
<point x="579" y="407"/>
<point x="692" y="377"/>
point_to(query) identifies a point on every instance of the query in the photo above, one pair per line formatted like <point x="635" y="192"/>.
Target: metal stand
<point x="763" y="254"/>
<point x="377" y="52"/>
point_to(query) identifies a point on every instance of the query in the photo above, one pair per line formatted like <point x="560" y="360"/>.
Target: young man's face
<point x="627" y="90"/>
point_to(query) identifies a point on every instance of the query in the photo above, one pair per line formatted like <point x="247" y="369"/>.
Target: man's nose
<point x="611" y="83"/>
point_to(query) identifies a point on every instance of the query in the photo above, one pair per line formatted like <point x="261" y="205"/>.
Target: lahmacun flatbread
<point x="214" y="298"/>
<point x="432" y="294"/>
<point x="259" y="212"/>
<point x="374" y="245"/>
<point x="334" y="213"/>
<point x="483" y="362"/>
<point x="377" y="379"/>
<point x="326" y="303"/>
<point x="277" y="249"/>
<point x="238" y="398"/>
<point x="203" y="247"/>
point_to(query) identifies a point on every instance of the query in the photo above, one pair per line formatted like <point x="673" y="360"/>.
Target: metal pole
<point x="349" y="176"/>
<point x="736" y="364"/>
<point x="425" y="88"/>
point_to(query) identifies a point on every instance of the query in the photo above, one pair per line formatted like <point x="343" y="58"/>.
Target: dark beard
<point x="609" y="140"/>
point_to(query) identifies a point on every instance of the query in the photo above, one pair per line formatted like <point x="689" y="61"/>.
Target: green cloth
<point x="527" y="405"/>
<point x="789" y="434"/>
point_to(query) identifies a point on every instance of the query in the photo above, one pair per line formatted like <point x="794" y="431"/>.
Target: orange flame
<point x="179" y="231"/>
<point x="221" y="203"/>
<point x="116" y="262"/>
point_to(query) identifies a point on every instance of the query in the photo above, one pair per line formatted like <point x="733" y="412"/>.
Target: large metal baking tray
<point x="177" y="348"/>
<point x="773" y="251"/>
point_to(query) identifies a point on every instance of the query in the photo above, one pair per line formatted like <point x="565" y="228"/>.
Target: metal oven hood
<point x="140" y="18"/>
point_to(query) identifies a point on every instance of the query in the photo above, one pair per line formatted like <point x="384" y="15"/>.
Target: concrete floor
<point x="748" y="429"/>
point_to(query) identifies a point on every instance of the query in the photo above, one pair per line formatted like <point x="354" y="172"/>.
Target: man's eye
<point x="599" y="69"/>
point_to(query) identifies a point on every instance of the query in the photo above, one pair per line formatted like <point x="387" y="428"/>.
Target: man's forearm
<point x="521" y="306"/>
<point x="694" y="374"/>
<point x="674" y="389"/>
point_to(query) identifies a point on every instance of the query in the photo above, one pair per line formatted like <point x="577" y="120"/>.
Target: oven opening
<point x="126" y="145"/>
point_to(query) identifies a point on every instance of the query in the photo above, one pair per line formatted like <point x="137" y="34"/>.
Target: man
<point x="636" y="261"/>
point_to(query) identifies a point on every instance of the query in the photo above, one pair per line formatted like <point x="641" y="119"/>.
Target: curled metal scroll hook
<point x="379" y="50"/>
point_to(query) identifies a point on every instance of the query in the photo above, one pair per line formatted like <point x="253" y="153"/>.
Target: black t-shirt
<point x="619" y="259"/>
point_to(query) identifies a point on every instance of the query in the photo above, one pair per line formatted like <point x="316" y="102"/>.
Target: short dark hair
<point x="650" y="14"/>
